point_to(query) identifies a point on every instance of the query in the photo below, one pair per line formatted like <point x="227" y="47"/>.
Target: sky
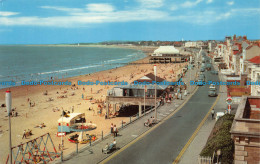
<point x="92" y="21"/>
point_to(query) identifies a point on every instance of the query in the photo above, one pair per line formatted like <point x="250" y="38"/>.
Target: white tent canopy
<point x="166" y="50"/>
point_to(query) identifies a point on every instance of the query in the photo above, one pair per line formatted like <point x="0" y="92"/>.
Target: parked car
<point x="212" y="93"/>
<point x="214" y="72"/>
<point x="202" y="69"/>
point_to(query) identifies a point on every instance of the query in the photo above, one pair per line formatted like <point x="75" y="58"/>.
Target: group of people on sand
<point x="14" y="113"/>
<point x="27" y="133"/>
<point x="31" y="104"/>
<point x="42" y="125"/>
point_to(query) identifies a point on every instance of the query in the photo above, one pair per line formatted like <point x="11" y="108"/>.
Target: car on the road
<point x="200" y="82"/>
<point x="212" y="87"/>
<point x="214" y="72"/>
<point x="208" y="67"/>
<point x="202" y="69"/>
<point x="202" y="77"/>
<point x="212" y="93"/>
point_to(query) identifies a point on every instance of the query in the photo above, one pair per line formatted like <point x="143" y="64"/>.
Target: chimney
<point x="234" y="37"/>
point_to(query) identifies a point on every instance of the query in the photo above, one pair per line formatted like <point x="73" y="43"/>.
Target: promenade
<point x="93" y="154"/>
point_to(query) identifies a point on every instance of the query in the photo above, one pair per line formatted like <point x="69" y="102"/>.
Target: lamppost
<point x="155" y="95"/>
<point x="8" y="100"/>
<point x="61" y="153"/>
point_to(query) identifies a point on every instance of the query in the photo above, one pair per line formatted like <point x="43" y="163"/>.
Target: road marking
<point x="195" y="133"/>
<point x="148" y="131"/>
<point x="162" y="115"/>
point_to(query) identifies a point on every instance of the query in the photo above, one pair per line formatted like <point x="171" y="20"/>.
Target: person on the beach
<point x="24" y="134"/>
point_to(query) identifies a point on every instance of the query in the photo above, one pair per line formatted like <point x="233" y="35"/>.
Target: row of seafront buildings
<point x="143" y="95"/>
<point x="238" y="60"/>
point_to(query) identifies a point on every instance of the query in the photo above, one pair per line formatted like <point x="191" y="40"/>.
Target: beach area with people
<point x="37" y="108"/>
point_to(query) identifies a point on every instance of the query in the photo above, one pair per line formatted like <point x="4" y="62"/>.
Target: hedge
<point x="220" y="138"/>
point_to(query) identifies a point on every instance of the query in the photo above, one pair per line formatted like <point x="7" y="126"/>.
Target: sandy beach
<point x="45" y="112"/>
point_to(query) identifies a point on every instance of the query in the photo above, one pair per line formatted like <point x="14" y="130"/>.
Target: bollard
<point x="102" y="135"/>
<point x="130" y="119"/>
<point x="77" y="147"/>
<point x="61" y="156"/>
<point x="122" y="124"/>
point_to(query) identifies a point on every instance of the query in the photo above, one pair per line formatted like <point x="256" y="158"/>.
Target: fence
<point x="205" y="160"/>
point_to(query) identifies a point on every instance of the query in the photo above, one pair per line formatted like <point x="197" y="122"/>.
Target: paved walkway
<point x="192" y="153"/>
<point x="93" y="154"/>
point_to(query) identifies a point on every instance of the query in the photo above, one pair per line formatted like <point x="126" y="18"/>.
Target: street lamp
<point x="155" y="95"/>
<point x="8" y="100"/>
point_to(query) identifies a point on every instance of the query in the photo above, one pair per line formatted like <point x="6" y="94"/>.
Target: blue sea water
<point x="27" y="63"/>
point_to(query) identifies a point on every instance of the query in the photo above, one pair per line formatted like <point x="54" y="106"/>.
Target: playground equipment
<point x="38" y="150"/>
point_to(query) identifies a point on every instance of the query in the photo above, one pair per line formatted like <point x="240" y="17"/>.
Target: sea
<point x="35" y="63"/>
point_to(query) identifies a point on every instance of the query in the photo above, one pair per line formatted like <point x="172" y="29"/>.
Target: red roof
<point x="252" y="46"/>
<point x="255" y="59"/>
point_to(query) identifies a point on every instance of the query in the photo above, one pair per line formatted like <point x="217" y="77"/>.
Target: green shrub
<point x="220" y="138"/>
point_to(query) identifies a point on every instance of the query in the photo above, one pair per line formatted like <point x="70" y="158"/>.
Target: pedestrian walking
<point x="115" y="131"/>
<point x="24" y="134"/>
<point x="112" y="128"/>
<point x="212" y="113"/>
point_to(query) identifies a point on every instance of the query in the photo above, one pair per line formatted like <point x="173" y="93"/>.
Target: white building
<point x="191" y="44"/>
<point x="254" y="70"/>
<point x="165" y="50"/>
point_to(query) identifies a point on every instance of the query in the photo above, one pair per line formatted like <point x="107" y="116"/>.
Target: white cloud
<point x="223" y="16"/>
<point x="209" y="1"/>
<point x="86" y="18"/>
<point x="66" y="9"/>
<point x="77" y="17"/>
<point x="100" y="7"/>
<point x="189" y="4"/>
<point x="7" y="13"/>
<point x="174" y="7"/>
<point x="151" y="3"/>
<point x="230" y="3"/>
